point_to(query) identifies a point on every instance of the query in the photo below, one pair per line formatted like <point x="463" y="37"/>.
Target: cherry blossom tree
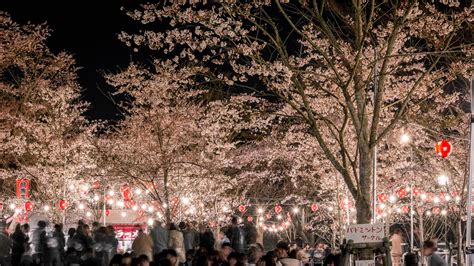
<point x="349" y="75"/>
<point x="45" y="138"/>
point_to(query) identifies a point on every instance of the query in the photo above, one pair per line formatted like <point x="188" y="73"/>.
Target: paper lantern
<point x="436" y="210"/>
<point x="242" y="208"/>
<point x="405" y="209"/>
<point x="107" y="212"/>
<point x="28" y="206"/>
<point x="126" y="193"/>
<point x="416" y="191"/>
<point x="443" y="148"/>
<point x="382" y="198"/>
<point x="402" y="193"/>
<point x="96" y="184"/>
<point x="314" y="207"/>
<point x="62" y="204"/>
<point x="249" y="219"/>
<point x="268" y="216"/>
<point x="278" y="209"/>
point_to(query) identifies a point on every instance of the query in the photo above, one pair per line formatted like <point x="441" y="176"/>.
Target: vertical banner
<point x="23" y="188"/>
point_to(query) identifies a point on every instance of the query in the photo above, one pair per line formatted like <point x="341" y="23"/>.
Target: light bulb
<point x="81" y="206"/>
<point x="443" y="180"/>
<point x="392" y="199"/>
<point x="405" y="138"/>
<point x="260" y="210"/>
<point x="185" y="200"/>
<point x="46" y="208"/>
<point x="296" y="210"/>
<point x="150" y="221"/>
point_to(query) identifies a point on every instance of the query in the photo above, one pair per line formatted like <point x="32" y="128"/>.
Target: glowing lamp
<point x="382" y="198"/>
<point x="436" y="210"/>
<point x="28" y="206"/>
<point x="62" y="204"/>
<point x="278" y="209"/>
<point x="443" y="148"/>
<point x="401" y="193"/>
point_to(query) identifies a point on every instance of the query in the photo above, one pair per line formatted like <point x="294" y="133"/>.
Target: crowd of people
<point x="162" y="245"/>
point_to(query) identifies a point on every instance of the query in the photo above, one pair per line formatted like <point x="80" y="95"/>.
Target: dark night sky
<point x="87" y="29"/>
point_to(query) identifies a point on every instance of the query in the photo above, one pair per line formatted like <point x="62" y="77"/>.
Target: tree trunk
<point x="362" y="200"/>
<point x="167" y="199"/>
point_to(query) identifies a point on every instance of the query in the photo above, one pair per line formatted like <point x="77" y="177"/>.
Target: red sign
<point x="126" y="232"/>
<point x="23" y="188"/>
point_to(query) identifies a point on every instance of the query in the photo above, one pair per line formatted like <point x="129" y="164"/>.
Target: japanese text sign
<point x="365" y="233"/>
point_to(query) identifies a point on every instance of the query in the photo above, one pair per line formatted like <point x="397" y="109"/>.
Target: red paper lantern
<point x="107" y="212"/>
<point x="278" y="209"/>
<point x="436" y="210"/>
<point x="416" y="191"/>
<point x="62" y="204"/>
<point x="402" y="193"/>
<point x="430" y="197"/>
<point x="28" y="206"/>
<point x="96" y="184"/>
<point x="382" y="198"/>
<point x="314" y="207"/>
<point x="405" y="209"/>
<point x="443" y="148"/>
<point x="126" y="193"/>
<point x="249" y="219"/>
<point x="242" y="208"/>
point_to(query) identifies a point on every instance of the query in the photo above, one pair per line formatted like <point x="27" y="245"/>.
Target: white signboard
<point x="365" y="233"/>
<point x="365" y="263"/>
